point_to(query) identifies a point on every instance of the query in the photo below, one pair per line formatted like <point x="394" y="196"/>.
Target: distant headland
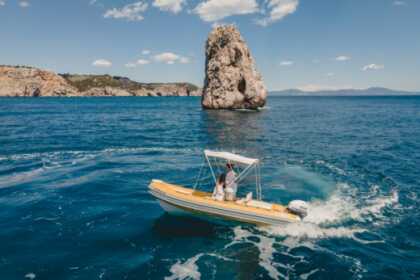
<point x="372" y="91"/>
<point x="26" y="81"/>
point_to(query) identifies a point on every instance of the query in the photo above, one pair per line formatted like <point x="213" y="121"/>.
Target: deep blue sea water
<point x="74" y="174"/>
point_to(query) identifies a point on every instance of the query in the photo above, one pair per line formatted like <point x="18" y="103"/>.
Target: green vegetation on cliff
<point x="87" y="82"/>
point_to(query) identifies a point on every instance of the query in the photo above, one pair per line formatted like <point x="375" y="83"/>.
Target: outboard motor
<point x="298" y="207"/>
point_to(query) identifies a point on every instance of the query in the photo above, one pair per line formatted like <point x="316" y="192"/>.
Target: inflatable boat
<point x="180" y="200"/>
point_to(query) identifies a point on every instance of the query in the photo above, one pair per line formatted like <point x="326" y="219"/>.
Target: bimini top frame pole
<point x="211" y="168"/>
<point x="229" y="157"/>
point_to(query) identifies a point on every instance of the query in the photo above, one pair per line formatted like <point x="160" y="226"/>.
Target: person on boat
<point x="219" y="189"/>
<point x="230" y="183"/>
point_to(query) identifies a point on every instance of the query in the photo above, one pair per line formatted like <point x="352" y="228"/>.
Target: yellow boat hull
<point x="179" y="200"/>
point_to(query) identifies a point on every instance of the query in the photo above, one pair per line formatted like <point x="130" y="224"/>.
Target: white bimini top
<point x="231" y="157"/>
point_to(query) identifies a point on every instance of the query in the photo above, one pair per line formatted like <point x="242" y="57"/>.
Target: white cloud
<point x="278" y="10"/>
<point x="131" y="12"/>
<point x="173" y="6"/>
<point x="373" y="66"/>
<point x="184" y="60"/>
<point x="24" y="4"/>
<point x="143" y="61"/>
<point x="399" y="3"/>
<point x="166" y="57"/>
<point x="286" y="63"/>
<point x="137" y="63"/>
<point x="102" y="63"/>
<point x="2" y="3"/>
<point x="171" y="58"/>
<point x="96" y="3"/>
<point x="217" y="24"/>
<point x="342" y="58"/>
<point x="214" y="10"/>
<point x="145" y="52"/>
<point x="131" y="65"/>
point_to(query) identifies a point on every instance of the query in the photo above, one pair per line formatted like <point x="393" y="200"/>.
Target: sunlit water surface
<point x="74" y="174"/>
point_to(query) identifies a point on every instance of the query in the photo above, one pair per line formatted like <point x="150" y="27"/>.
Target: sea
<point x="74" y="176"/>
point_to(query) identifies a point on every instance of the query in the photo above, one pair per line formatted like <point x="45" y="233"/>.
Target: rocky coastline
<point x="25" y="81"/>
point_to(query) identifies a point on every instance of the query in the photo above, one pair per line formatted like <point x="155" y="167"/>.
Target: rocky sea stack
<point x="231" y="81"/>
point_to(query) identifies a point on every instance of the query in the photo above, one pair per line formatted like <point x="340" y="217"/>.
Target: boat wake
<point x="186" y="270"/>
<point x="346" y="214"/>
<point x="35" y="166"/>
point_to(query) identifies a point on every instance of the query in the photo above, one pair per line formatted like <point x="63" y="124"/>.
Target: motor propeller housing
<point x="298" y="207"/>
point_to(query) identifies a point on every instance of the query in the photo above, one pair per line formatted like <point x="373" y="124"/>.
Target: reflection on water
<point x="179" y="226"/>
<point x="234" y="131"/>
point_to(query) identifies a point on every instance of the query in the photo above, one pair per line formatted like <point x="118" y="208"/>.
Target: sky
<point x="305" y="44"/>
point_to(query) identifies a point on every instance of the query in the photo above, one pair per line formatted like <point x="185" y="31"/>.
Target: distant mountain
<point x="372" y="91"/>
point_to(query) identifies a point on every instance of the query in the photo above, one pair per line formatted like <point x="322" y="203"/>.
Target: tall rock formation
<point x="231" y="81"/>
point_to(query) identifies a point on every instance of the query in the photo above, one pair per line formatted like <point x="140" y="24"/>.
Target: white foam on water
<point x="345" y="214"/>
<point x="332" y="167"/>
<point x="325" y="218"/>
<point x="19" y="178"/>
<point x="337" y="208"/>
<point x="346" y="204"/>
<point x="377" y="204"/>
<point x="312" y="231"/>
<point x="189" y="268"/>
<point x="239" y="236"/>
<point x="48" y="219"/>
<point x="186" y="270"/>
<point x="219" y="257"/>
<point x="147" y="149"/>
<point x="30" y="275"/>
<point x="85" y="155"/>
<point x="265" y="247"/>
<point x="305" y="276"/>
<point x="53" y="162"/>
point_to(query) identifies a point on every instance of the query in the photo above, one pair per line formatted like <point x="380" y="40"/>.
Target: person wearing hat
<point x="230" y="183"/>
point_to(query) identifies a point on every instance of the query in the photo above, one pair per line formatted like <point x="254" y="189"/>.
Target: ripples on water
<point x="74" y="175"/>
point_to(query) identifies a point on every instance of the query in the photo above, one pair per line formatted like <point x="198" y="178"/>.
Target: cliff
<point x="21" y="81"/>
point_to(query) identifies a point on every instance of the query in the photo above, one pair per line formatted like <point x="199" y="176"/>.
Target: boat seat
<point x="260" y="204"/>
<point x="245" y="199"/>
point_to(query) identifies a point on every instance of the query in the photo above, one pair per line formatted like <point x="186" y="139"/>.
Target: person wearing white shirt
<point x="230" y="183"/>
<point x="219" y="189"/>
